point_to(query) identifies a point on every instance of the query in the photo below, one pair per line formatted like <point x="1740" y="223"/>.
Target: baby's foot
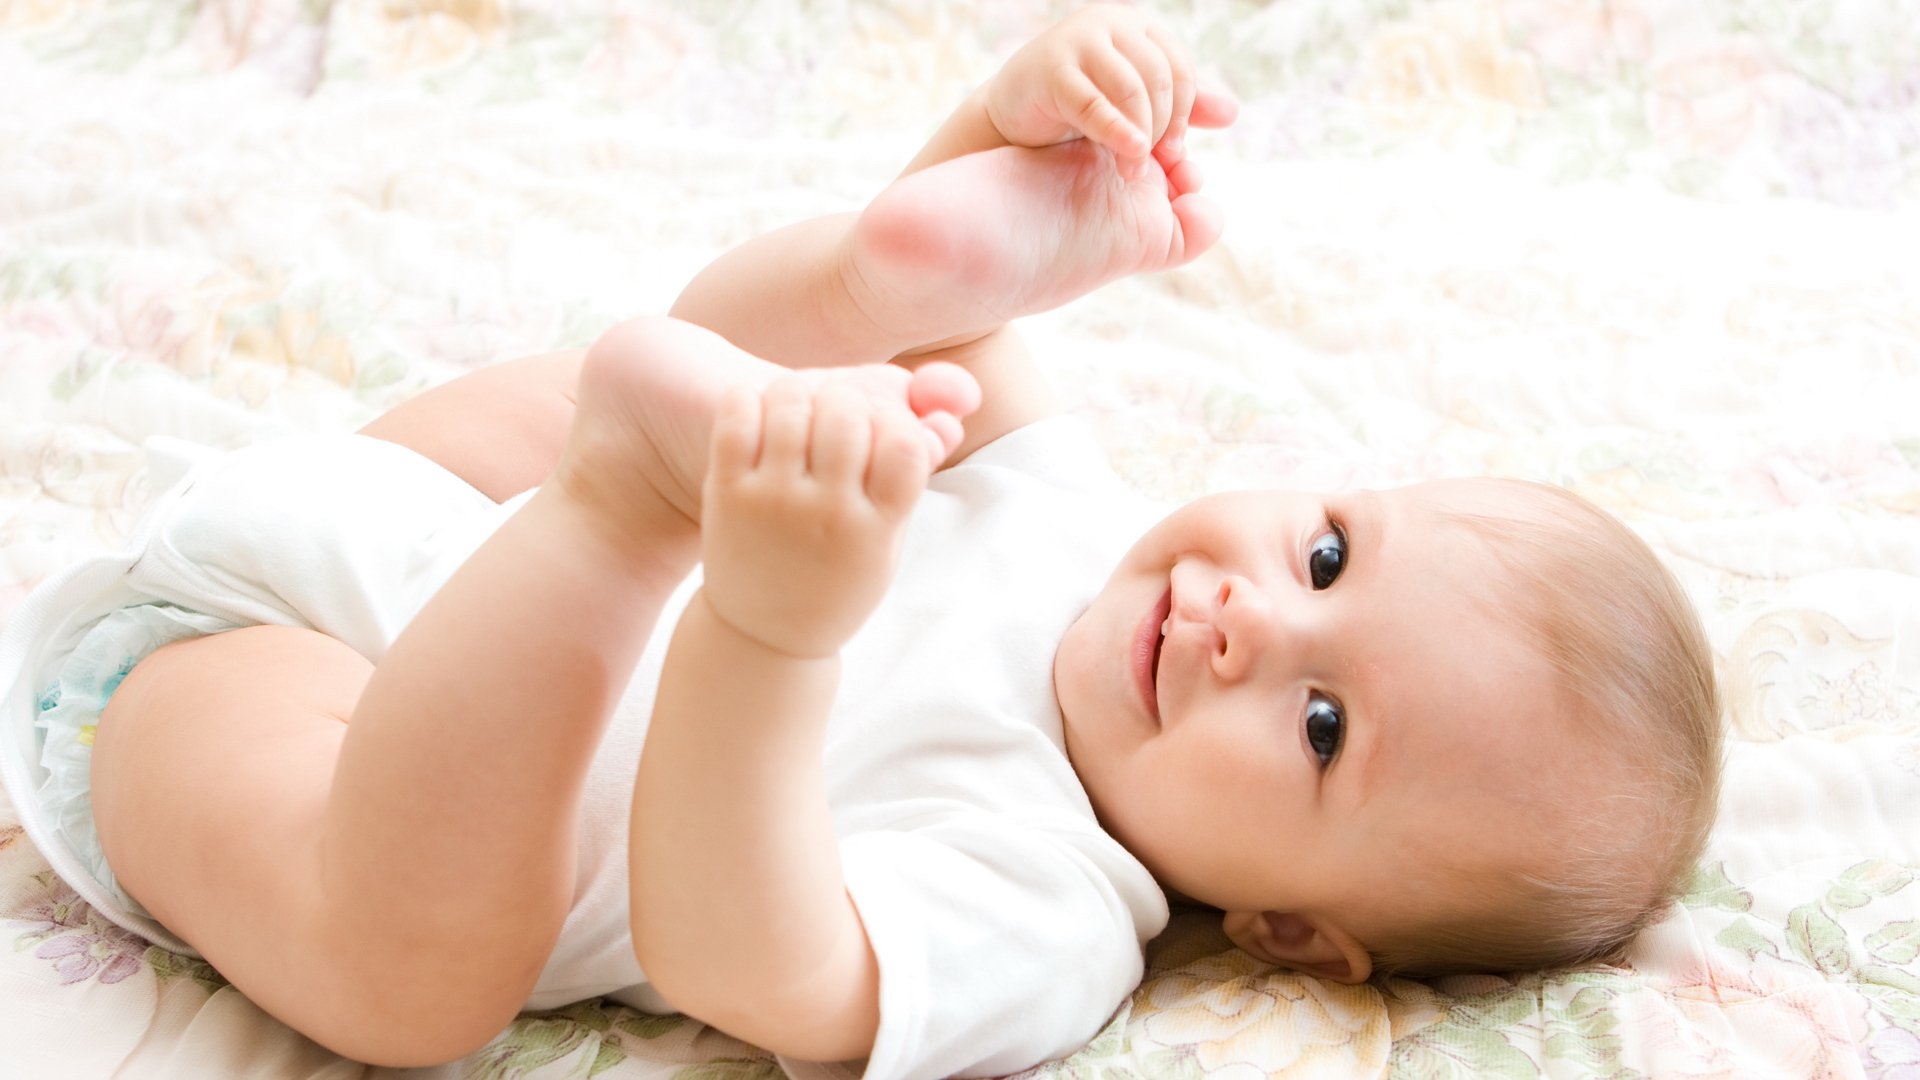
<point x="971" y="243"/>
<point x="636" y="455"/>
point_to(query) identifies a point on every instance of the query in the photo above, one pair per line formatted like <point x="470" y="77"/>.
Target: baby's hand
<point x="808" y="488"/>
<point x="1112" y="74"/>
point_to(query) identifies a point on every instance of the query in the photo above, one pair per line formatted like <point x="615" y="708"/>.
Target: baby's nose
<point x="1248" y="627"/>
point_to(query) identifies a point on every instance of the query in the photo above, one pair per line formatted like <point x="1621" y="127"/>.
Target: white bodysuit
<point x="1007" y="925"/>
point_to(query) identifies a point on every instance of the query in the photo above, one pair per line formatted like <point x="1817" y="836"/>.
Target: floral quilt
<point x="1658" y="251"/>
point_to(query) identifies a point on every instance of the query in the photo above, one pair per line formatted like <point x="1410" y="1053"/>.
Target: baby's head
<point x="1468" y="725"/>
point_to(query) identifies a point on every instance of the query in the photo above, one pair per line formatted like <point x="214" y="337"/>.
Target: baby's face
<point x="1337" y="705"/>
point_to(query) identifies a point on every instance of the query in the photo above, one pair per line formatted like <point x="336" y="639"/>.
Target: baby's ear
<point x="1307" y="944"/>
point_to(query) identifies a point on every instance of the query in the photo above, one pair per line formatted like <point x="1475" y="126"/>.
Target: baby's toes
<point x="940" y="394"/>
<point x="942" y="387"/>
<point x="1184" y="178"/>
<point x="1199" y="225"/>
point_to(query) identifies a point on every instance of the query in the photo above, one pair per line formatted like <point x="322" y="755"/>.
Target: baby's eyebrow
<point x="1373" y="722"/>
<point x="1365" y="522"/>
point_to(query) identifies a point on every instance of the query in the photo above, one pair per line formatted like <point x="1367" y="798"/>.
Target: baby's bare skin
<point x="729" y="791"/>
<point x="754" y="661"/>
<point x="1064" y="222"/>
<point x="974" y="243"/>
<point x="636" y="455"/>
<point x="410" y="863"/>
<point x="1107" y="79"/>
<point x="946" y="255"/>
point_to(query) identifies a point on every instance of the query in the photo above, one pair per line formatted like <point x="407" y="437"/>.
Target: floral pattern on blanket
<point x="80" y="944"/>
<point x="1658" y="251"/>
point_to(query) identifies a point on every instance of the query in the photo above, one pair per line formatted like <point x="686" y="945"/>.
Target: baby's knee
<point x="435" y="1028"/>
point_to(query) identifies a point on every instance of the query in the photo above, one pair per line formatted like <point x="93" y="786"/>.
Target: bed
<point x="1658" y="251"/>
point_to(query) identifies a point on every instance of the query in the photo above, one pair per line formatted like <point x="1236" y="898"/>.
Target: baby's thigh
<point x="499" y="428"/>
<point x="212" y="767"/>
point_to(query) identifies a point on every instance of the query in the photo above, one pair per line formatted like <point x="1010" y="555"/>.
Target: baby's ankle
<point x="879" y="299"/>
<point x="657" y="544"/>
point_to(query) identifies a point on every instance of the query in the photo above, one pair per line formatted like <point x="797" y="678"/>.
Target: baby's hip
<point x="346" y="534"/>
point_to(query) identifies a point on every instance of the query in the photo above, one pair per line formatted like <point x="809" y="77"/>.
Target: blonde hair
<point x="1629" y="651"/>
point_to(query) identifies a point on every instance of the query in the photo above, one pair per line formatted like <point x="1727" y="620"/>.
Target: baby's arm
<point x="740" y="915"/>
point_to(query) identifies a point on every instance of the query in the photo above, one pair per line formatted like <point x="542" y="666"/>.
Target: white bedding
<point x="1659" y="251"/>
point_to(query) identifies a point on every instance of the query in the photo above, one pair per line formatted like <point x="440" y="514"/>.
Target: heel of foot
<point x="914" y="232"/>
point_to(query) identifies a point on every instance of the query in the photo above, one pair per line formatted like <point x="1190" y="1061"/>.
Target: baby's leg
<point x="966" y="245"/>
<point x="499" y="428"/>
<point x="950" y="252"/>
<point x="383" y="856"/>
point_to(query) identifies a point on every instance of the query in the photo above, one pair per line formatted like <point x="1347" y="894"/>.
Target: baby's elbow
<point x="439" y="1031"/>
<point x="822" y="1039"/>
<point x="806" y="1019"/>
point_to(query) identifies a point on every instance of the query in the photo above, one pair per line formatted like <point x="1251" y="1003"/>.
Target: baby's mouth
<point x="1159" y="646"/>
<point x="1149" y="642"/>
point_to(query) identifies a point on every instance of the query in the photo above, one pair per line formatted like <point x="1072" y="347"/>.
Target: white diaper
<point x="347" y="534"/>
<point x="70" y="709"/>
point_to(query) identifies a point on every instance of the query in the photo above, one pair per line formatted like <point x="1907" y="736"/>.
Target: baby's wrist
<point x="767" y="646"/>
<point x="981" y="102"/>
<point x="969" y="129"/>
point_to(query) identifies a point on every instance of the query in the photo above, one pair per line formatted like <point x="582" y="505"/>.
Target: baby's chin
<point x="1071" y="667"/>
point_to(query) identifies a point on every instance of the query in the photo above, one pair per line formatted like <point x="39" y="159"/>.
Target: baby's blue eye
<point x="1326" y="557"/>
<point x="1326" y="725"/>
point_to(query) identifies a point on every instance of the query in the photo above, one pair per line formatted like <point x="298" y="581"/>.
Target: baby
<point x="916" y="784"/>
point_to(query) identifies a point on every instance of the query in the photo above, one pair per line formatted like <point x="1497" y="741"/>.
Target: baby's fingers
<point x="1104" y="99"/>
<point x="1154" y="64"/>
<point x="901" y="462"/>
<point x="736" y="435"/>
<point x="786" y="419"/>
<point x="1180" y="73"/>
<point x="838" y="452"/>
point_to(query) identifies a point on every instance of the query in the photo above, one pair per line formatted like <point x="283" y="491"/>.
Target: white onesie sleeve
<point x="1001" y="944"/>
